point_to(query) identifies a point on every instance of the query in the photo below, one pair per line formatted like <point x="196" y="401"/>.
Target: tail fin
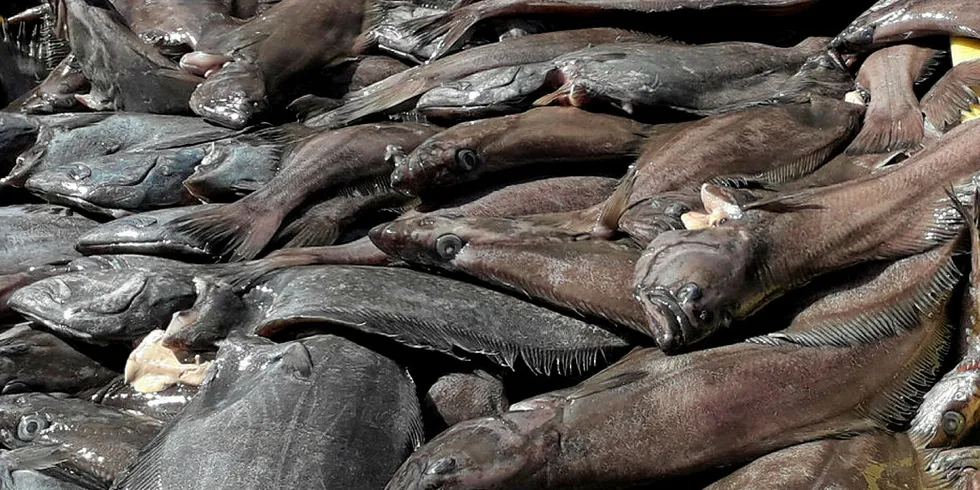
<point x="616" y="205"/>
<point x="233" y="231"/>
<point x="889" y="125"/>
<point x="952" y="95"/>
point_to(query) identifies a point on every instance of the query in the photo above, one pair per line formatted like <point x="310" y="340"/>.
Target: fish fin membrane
<point x="379" y="97"/>
<point x="380" y="184"/>
<point x="309" y="106"/>
<point x="147" y="469"/>
<point x="455" y="25"/>
<point x="931" y="65"/>
<point x="889" y="126"/>
<point x="779" y="175"/>
<point x="309" y="233"/>
<point x="231" y="231"/>
<point x="617" y="203"/>
<point x="944" y="104"/>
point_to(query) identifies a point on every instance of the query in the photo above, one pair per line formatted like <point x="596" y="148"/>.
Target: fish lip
<point x="668" y="323"/>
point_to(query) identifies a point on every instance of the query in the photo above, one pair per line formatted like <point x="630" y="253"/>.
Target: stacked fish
<point x="490" y="244"/>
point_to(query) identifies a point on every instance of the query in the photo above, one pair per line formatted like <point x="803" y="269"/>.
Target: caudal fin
<point x="952" y="95"/>
<point x="889" y="125"/>
<point x="233" y="231"/>
<point x="456" y="25"/>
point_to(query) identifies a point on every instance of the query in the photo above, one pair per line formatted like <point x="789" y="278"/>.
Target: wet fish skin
<point x="946" y="101"/>
<point x="143" y="233"/>
<point x="164" y="405"/>
<point x="458" y="397"/>
<point x="17" y="133"/>
<point x="33" y="235"/>
<point x="24" y="468"/>
<point x="893" y="21"/>
<point x="33" y="360"/>
<point x="19" y="70"/>
<point x="489" y="93"/>
<point x="693" y="283"/>
<point x="98" y="441"/>
<point x="323" y="223"/>
<point x="956" y="468"/>
<point x="175" y="26"/>
<point x="540" y="137"/>
<point x="264" y="397"/>
<point x="366" y="71"/>
<point x="125" y="73"/>
<point x="10" y="283"/>
<point x="57" y="92"/>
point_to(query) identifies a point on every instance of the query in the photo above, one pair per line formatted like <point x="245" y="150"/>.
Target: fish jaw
<point x="950" y="409"/>
<point x="233" y="97"/>
<point x="419" y="240"/>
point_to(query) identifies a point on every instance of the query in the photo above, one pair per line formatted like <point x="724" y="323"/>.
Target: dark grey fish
<point x="98" y="442"/>
<point x="37" y="234"/>
<point x="34" y="360"/>
<point x="26" y="469"/>
<point x="145" y="233"/>
<point x="57" y="93"/>
<point x="489" y="93"/>
<point x="17" y="133"/>
<point x="419" y="310"/>
<point x="111" y="302"/>
<point x="323" y="223"/>
<point x="121" y="184"/>
<point x="321" y="412"/>
<point x="21" y="67"/>
<point x="893" y="21"/>
<point x="458" y="397"/>
<point x="176" y="26"/>
<point x="10" y="283"/>
<point x="125" y="72"/>
<point x="163" y="405"/>
<point x="390" y="35"/>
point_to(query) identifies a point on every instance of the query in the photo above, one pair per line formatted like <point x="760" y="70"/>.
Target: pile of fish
<point x="489" y="244"/>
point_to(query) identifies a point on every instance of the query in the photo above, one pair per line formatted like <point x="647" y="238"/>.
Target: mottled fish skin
<point x="458" y="397"/>
<point x="489" y="93"/>
<point x="541" y="137"/>
<point x="270" y="56"/>
<point x="125" y="73"/>
<point x="890" y="461"/>
<point x="34" y="235"/>
<point x="165" y="405"/>
<point x="956" y="469"/>
<point x="34" y="360"/>
<point x="893" y="120"/>
<point x="702" y="79"/>
<point x="895" y="21"/>
<point x="588" y="277"/>
<point x="57" y="92"/>
<point x="98" y="441"/>
<point x="144" y="233"/>
<point x="694" y="282"/>
<point x="121" y="184"/>
<point x="395" y="91"/>
<point x="590" y="433"/>
<point x="353" y="415"/>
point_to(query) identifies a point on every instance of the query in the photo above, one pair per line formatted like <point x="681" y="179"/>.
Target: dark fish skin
<point x="945" y="102"/>
<point x="10" y="283"/>
<point x="125" y="73"/>
<point x="538" y="138"/>
<point x="97" y="441"/>
<point x="163" y="405"/>
<point x="490" y="93"/>
<point x="956" y="469"/>
<point x="33" y="360"/>
<point x="895" y="21"/>
<point x="587" y="277"/>
<point x="120" y="184"/>
<point x="34" y="235"/>
<point x="457" y="24"/>
<point x="695" y="282"/>
<point x="703" y="79"/>
<point x="175" y="26"/>
<point x="389" y="33"/>
<point x="19" y="70"/>
<point x="395" y="91"/>
<point x="323" y="223"/>
<point x="17" y="133"/>
<point x="109" y="304"/>
<point x="270" y="55"/>
<point x="764" y="145"/>
<point x="326" y="162"/>
<point x="235" y="167"/>
<point x="587" y="436"/>
<point x="57" y="92"/>
<point x="144" y="233"/>
<point x="889" y="461"/>
<point x="68" y="138"/>
<point x="894" y="120"/>
<point x="363" y="72"/>
<point x="458" y="397"/>
<point x="352" y="414"/>
<point x="24" y="469"/>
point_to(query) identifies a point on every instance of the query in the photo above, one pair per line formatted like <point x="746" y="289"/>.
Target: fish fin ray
<point x="616" y="205"/>
<point x="884" y="131"/>
<point x="951" y="95"/>
<point x="305" y="234"/>
<point x="930" y="66"/>
<point x="230" y="231"/>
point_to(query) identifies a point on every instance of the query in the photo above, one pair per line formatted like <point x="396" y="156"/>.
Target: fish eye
<point x="443" y="466"/>
<point x="466" y="159"/>
<point x="31" y="426"/>
<point x="953" y="423"/>
<point x="448" y="245"/>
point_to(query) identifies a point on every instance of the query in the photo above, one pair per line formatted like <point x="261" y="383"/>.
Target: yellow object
<point x="965" y="49"/>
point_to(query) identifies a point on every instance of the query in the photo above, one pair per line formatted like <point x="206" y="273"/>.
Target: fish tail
<point x="616" y="205"/>
<point x="456" y="25"/>
<point x="232" y="231"/>
<point x="944" y="104"/>
<point x="889" y="128"/>
<point x="382" y="96"/>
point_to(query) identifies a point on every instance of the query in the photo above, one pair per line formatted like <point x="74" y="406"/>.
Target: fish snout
<point x="853" y="39"/>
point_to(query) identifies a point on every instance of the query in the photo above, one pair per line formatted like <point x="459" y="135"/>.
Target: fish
<point x="363" y="72"/>
<point x="945" y="103"/>
<point x="120" y="184"/>
<point x="323" y="223"/>
<point x="693" y="283"/>
<point x="389" y="35"/>
<point x="549" y="137"/>
<point x="10" y="283"/>
<point x="111" y="303"/>
<point x="98" y="442"/>
<point x="34" y="360"/>
<point x="235" y="167"/>
<point x="57" y="92"/>
<point x="266" y="400"/>
<point x="458" y="397"/>
<point x="20" y="66"/>
<point x="24" y="468"/>
<point x="888" y="461"/>
<point x="894" y="120"/>
<point x="143" y="233"/>
<point x="471" y="323"/>
<point x="327" y="162"/>
<point x="756" y="147"/>
<point x="176" y="26"/>
<point x="898" y="21"/>
<point x="588" y="278"/>
<point x="17" y="134"/>
<point x="955" y="468"/>
<point x="490" y="93"/>
<point x="163" y="405"/>
<point x="643" y="77"/>
<point x="33" y="235"/>
<point x="405" y="87"/>
<point x="130" y="75"/>
<point x="253" y="68"/>
<point x="575" y="438"/>
<point x="62" y="139"/>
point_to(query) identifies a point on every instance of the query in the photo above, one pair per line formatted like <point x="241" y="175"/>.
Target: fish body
<point x="164" y="405"/>
<point x="352" y="414"/>
<point x="458" y="397"/>
<point x="490" y="93"/>
<point x="34" y="360"/>
<point x="144" y="233"/>
<point x="57" y="92"/>
<point x="175" y="26"/>
<point x="894" y="21"/>
<point x="35" y="235"/>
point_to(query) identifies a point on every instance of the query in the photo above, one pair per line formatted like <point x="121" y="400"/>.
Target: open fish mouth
<point x="670" y="326"/>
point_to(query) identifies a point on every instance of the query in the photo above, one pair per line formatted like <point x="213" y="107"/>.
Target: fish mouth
<point x="670" y="326"/>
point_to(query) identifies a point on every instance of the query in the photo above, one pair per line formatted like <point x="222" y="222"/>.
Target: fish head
<point x="487" y="453"/>
<point x="33" y="360"/>
<point x="427" y="240"/>
<point x="233" y="97"/>
<point x="24" y="419"/>
<point x="485" y="94"/>
<point x="690" y="282"/>
<point x="856" y="37"/>
<point x="950" y="409"/>
<point x="452" y="157"/>
<point x="232" y="169"/>
<point x="955" y="469"/>
<point x="99" y="306"/>
<point x="216" y="311"/>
